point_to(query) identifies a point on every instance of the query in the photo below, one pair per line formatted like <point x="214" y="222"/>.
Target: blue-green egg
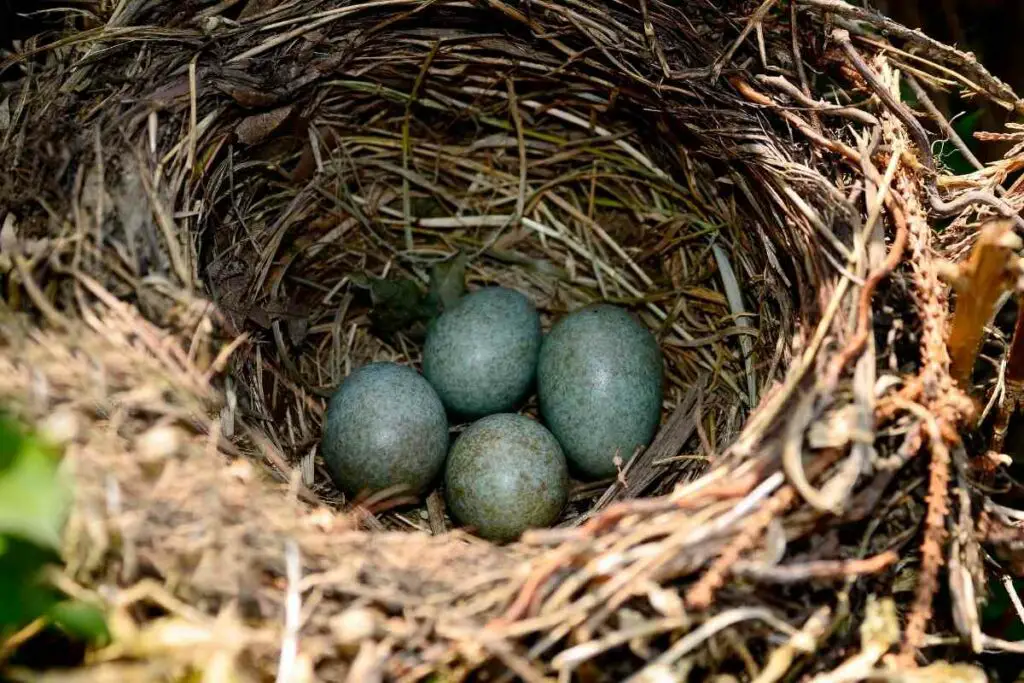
<point x="505" y="474"/>
<point x="385" y="427"/>
<point x="599" y="385"/>
<point x="481" y="355"/>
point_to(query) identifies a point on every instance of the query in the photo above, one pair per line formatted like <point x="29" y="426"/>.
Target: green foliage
<point x="34" y="500"/>
<point x="907" y="94"/>
<point x="80" y="620"/>
<point x="447" y="282"/>
<point x="399" y="305"/>
<point x="396" y="304"/>
<point x="998" y="615"/>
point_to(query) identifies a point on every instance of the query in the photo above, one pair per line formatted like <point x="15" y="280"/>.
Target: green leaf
<point x="427" y="207"/>
<point x="907" y="94"/>
<point x="397" y="304"/>
<point x="21" y="574"/>
<point x="33" y="498"/>
<point x="448" y="281"/>
<point x="400" y="305"/>
<point x="81" y="620"/>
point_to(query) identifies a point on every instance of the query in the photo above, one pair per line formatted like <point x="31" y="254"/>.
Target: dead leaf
<point x="250" y="98"/>
<point x="257" y="128"/>
<point x="256" y="7"/>
<point x="297" y="330"/>
<point x="8" y="235"/>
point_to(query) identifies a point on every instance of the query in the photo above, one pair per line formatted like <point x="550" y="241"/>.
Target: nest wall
<point x="200" y="198"/>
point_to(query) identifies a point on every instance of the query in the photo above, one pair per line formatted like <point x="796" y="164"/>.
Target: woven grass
<point x="202" y="201"/>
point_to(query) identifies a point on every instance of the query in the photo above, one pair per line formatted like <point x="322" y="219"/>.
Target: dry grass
<point x="197" y="197"/>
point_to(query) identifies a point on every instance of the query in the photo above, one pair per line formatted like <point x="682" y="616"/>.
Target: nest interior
<point x="216" y="211"/>
<point x="325" y="207"/>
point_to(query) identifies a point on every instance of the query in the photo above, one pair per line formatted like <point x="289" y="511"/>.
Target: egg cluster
<point x="598" y="377"/>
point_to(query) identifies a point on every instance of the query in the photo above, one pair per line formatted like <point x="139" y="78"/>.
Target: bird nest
<point x="214" y="212"/>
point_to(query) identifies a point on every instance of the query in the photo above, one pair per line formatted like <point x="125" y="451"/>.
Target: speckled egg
<point x="385" y="426"/>
<point x="505" y="474"/>
<point x="599" y="383"/>
<point x="481" y="355"/>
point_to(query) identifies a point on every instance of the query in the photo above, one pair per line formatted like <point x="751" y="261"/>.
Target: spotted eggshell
<point x="599" y="384"/>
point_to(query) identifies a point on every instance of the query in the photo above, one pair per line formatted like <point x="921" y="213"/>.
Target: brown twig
<point x="998" y="90"/>
<point x="851" y="113"/>
<point x="817" y="570"/>
<point x="920" y="138"/>
<point x="435" y="513"/>
<point x="860" y="337"/>
<point x="931" y="549"/>
<point x="944" y="125"/>
<point x="992" y="270"/>
<point x="700" y="594"/>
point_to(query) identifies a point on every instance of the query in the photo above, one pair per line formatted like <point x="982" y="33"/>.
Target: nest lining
<point x="427" y="142"/>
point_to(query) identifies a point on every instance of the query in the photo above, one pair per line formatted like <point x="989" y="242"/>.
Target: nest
<point x="216" y="212"/>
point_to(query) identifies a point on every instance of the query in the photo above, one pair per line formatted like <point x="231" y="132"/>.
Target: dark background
<point x="994" y="31"/>
<point x="13" y="25"/>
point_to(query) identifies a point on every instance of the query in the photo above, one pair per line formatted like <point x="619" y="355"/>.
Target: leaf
<point x="21" y="575"/>
<point x="258" y="127"/>
<point x="448" y="281"/>
<point x="427" y="207"/>
<point x="397" y="304"/>
<point x="250" y="98"/>
<point x="360" y="280"/>
<point x="33" y="498"/>
<point x="81" y="620"/>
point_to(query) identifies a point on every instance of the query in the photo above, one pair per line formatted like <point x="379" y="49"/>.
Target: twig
<point x="803" y="642"/>
<point x="878" y="632"/>
<point x="817" y="106"/>
<point x="1000" y="645"/>
<point x="700" y="594"/>
<point x="406" y="153"/>
<point x="920" y="138"/>
<point x="739" y="311"/>
<point x="710" y="627"/>
<point x="981" y="281"/>
<point x="940" y="120"/>
<point x="292" y="614"/>
<point x="574" y="656"/>
<point x="892" y="259"/>
<point x="755" y="21"/>
<point x="752" y="94"/>
<point x="931" y="549"/>
<point x="435" y="513"/>
<point x="999" y="91"/>
<point x="36" y="294"/>
<point x="817" y="570"/>
<point x="1015" y="600"/>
